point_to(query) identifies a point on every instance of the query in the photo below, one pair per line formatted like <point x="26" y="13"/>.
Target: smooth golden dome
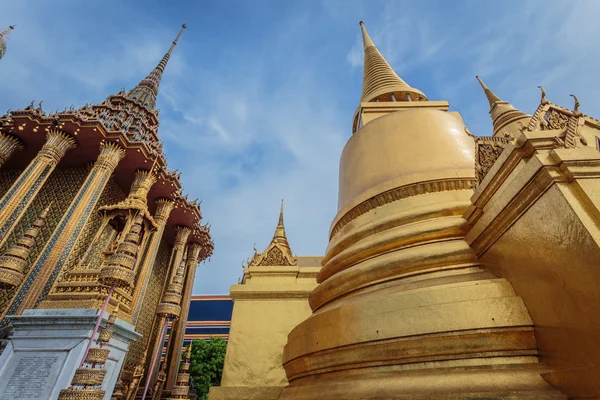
<point x="402" y="148"/>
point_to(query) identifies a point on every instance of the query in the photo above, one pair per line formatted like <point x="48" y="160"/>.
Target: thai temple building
<point x="458" y="266"/>
<point x="97" y="240"/>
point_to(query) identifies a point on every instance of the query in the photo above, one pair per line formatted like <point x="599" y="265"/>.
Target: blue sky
<point x="257" y="100"/>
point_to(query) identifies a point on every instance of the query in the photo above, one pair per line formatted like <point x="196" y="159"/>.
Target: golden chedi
<point x="403" y="309"/>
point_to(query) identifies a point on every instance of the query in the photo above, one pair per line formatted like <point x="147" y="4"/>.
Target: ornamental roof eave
<point x="30" y="125"/>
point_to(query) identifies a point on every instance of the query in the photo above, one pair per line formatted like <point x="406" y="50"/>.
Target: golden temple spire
<point x="280" y="236"/>
<point x="492" y="98"/>
<point x="380" y="82"/>
<point x="147" y="90"/>
<point x="278" y="252"/>
<point x="504" y="115"/>
<point x="14" y="260"/>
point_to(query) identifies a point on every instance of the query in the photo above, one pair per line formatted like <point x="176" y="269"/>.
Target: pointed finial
<point x="577" y="104"/>
<point x="492" y="98"/>
<point x="7" y="31"/>
<point x="380" y="82"/>
<point x="281" y="214"/>
<point x="146" y="91"/>
<point x="44" y="213"/>
<point x="183" y="26"/>
<point x="543" y="99"/>
<point x="279" y="236"/>
<point x="365" y="35"/>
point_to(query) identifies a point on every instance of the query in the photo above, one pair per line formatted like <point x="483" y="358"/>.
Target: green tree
<point x="206" y="364"/>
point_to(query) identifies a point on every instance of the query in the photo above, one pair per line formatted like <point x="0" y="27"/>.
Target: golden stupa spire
<point x="14" y="260"/>
<point x="492" y="98"/>
<point x="147" y="90"/>
<point x="280" y="236"/>
<point x="502" y="112"/>
<point x="380" y="82"/>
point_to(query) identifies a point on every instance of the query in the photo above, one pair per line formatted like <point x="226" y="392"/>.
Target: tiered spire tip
<point x="380" y="82"/>
<point x="365" y="35"/>
<point x="146" y="91"/>
<point x="280" y="236"/>
<point x="492" y="98"/>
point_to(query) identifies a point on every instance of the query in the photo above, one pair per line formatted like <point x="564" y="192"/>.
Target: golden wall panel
<point x="112" y="194"/>
<point x="151" y="299"/>
<point x="555" y="271"/>
<point x="60" y="189"/>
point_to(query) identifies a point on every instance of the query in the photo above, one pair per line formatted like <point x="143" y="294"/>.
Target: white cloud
<point x="254" y="116"/>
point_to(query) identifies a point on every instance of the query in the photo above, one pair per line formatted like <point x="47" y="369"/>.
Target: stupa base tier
<point x="523" y="382"/>
<point x="244" y="393"/>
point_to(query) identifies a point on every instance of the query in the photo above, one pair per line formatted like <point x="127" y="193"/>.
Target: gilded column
<point x="182" y="389"/>
<point x="163" y="210"/>
<point x="51" y="259"/>
<point x="15" y="202"/>
<point x="169" y="307"/>
<point x="8" y="146"/>
<point x="178" y="329"/>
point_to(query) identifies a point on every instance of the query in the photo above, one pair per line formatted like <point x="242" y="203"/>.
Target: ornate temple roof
<point x="278" y="252"/>
<point x="3" y="36"/>
<point x="380" y="82"/>
<point x="129" y="119"/>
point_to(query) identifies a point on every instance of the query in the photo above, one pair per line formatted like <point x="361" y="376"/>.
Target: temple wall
<point x="265" y="310"/>
<point x="556" y="272"/>
<point x="145" y="323"/>
<point x="536" y="222"/>
<point x="60" y="189"/>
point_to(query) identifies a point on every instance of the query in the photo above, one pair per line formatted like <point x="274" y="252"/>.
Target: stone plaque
<point x="31" y="375"/>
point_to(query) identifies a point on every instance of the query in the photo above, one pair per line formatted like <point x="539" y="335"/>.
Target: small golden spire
<point x="380" y="82"/>
<point x="278" y="252"/>
<point x="502" y="112"/>
<point x="280" y="236"/>
<point x="492" y="98"/>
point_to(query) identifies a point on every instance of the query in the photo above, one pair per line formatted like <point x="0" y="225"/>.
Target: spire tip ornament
<point x="380" y="81"/>
<point x="492" y="98"/>
<point x="146" y="91"/>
